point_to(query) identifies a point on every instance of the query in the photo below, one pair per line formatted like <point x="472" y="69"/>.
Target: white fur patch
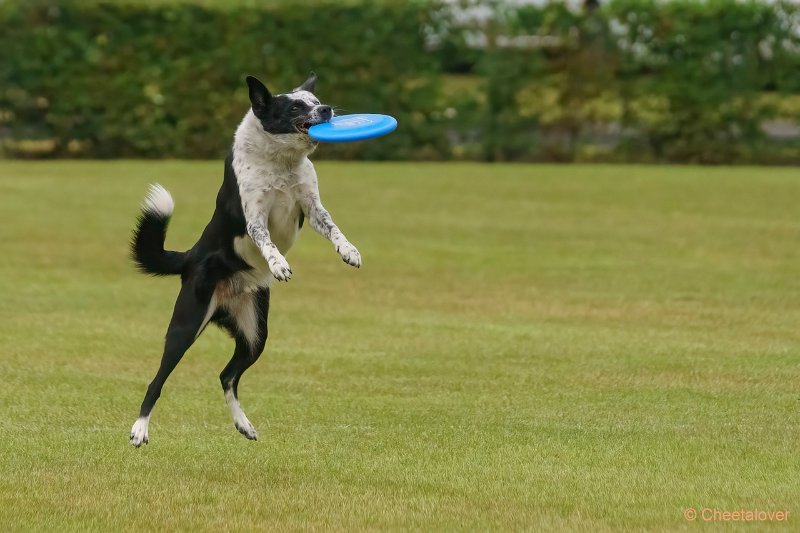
<point x="305" y="97"/>
<point x="271" y="171"/>
<point x="277" y="184"/>
<point x="159" y="200"/>
<point x="243" y="311"/>
<point x="139" y="431"/>
<point x="212" y="306"/>
<point x="240" y="420"/>
<point x="257" y="276"/>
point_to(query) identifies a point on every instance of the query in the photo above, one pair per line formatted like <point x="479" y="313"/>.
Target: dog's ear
<point x="309" y="84"/>
<point x="259" y="94"/>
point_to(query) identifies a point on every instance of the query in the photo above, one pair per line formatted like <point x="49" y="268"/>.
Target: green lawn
<point x="526" y="347"/>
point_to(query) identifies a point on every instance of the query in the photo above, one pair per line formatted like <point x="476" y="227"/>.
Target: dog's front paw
<point x="349" y="254"/>
<point x="279" y="267"/>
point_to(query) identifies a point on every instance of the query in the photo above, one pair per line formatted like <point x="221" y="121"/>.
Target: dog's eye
<point x="296" y="107"/>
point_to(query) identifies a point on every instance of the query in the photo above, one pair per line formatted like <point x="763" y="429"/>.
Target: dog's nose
<point x="325" y="111"/>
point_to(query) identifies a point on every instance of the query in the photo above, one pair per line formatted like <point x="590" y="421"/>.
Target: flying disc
<point x="346" y="128"/>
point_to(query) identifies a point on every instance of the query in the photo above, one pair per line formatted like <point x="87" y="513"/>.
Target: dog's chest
<point x="282" y="211"/>
<point x="268" y="195"/>
<point x="258" y="275"/>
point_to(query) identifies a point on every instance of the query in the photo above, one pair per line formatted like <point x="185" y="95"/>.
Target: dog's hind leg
<point x="247" y="320"/>
<point x="193" y="309"/>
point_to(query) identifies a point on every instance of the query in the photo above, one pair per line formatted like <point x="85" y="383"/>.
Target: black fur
<point x="147" y="246"/>
<point x="210" y="261"/>
<point x="283" y="114"/>
<point x="208" y="269"/>
<point x="212" y="258"/>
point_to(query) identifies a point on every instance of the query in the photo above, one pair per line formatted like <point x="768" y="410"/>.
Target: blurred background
<point x="528" y="347"/>
<point x="683" y="81"/>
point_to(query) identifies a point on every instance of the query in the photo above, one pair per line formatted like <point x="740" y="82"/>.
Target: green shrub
<point x="128" y="80"/>
<point x="635" y="80"/>
<point x="678" y="81"/>
<point x="707" y="63"/>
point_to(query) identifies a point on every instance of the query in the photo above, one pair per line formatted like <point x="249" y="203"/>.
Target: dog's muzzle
<point x="320" y="114"/>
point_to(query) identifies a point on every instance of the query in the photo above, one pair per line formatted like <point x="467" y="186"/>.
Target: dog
<point x="268" y="190"/>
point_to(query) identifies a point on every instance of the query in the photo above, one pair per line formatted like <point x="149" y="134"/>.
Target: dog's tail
<point x="147" y="243"/>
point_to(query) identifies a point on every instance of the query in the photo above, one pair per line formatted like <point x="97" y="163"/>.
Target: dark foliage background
<point x="632" y="80"/>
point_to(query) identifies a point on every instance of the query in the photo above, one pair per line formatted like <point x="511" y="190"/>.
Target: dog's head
<point x="291" y="113"/>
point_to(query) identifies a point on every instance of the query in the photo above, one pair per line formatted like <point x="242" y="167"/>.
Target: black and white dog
<point x="269" y="188"/>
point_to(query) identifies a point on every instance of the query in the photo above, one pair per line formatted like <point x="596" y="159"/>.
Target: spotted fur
<point x="269" y="187"/>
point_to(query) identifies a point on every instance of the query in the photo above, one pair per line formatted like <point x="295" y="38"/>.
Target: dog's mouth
<point x="302" y="127"/>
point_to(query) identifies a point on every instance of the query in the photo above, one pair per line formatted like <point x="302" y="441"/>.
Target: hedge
<point x="682" y="81"/>
<point x="635" y="80"/>
<point x="130" y="80"/>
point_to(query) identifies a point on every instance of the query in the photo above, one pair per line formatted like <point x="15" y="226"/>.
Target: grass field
<point x="525" y="347"/>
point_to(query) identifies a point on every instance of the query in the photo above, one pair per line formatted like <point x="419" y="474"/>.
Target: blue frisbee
<point x="346" y="128"/>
